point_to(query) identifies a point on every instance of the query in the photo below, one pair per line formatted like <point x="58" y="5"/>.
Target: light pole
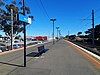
<point x="24" y="25"/>
<point x="24" y="35"/>
<point x="57" y="32"/>
<point x="53" y="20"/>
<point x="11" y="29"/>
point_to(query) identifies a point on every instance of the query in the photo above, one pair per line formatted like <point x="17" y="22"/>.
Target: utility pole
<point x="53" y="20"/>
<point x="57" y="32"/>
<point x="24" y="35"/>
<point x="11" y="29"/>
<point x="93" y="27"/>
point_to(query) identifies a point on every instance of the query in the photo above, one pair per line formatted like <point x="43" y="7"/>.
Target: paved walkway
<point x="60" y="59"/>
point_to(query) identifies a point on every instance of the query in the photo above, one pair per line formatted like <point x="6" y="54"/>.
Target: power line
<point x="86" y="23"/>
<point x="44" y="9"/>
<point x="97" y="17"/>
<point x="85" y="19"/>
<point x="40" y="7"/>
<point x="97" y="10"/>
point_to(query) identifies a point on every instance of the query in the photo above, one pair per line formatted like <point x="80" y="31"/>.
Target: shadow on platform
<point x="11" y="64"/>
<point x="36" y="54"/>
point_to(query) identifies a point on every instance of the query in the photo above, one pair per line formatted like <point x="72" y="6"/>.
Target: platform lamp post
<point x="57" y="33"/>
<point x="24" y="25"/>
<point x="53" y="20"/>
<point x="24" y="31"/>
<point x="11" y="29"/>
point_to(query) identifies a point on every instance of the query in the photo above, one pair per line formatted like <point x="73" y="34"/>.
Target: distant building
<point x="41" y="38"/>
<point x="36" y="38"/>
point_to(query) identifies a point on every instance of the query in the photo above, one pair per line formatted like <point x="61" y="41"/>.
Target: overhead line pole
<point x="93" y="43"/>
<point x="93" y="27"/>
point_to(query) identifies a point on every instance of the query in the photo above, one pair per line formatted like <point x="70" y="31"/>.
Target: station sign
<point x="25" y="19"/>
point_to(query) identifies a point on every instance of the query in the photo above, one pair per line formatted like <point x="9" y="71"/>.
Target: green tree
<point x="96" y="32"/>
<point x="5" y="24"/>
<point x="79" y="33"/>
<point x="89" y="32"/>
<point x="5" y="18"/>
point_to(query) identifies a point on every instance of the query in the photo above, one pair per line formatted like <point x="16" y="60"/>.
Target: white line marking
<point x="94" y="55"/>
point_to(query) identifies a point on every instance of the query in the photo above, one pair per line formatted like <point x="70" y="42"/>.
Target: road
<point x="60" y="59"/>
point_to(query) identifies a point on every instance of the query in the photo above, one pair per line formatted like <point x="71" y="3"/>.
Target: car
<point x="40" y="42"/>
<point x="3" y="47"/>
<point x="16" y="46"/>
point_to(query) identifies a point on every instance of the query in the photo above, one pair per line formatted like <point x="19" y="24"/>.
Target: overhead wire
<point x="96" y="11"/>
<point x="40" y="7"/>
<point x="85" y="23"/>
<point x="41" y="2"/>
<point x="87" y="18"/>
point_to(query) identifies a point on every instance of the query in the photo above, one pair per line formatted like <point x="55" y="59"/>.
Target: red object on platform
<point x="41" y="38"/>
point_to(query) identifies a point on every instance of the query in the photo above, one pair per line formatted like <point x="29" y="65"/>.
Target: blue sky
<point x="69" y="15"/>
